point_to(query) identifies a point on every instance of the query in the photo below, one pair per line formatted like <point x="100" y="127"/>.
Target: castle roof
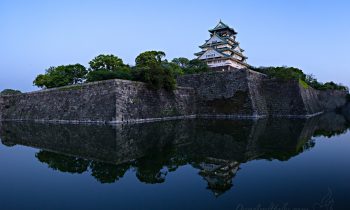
<point x="210" y="51"/>
<point x="221" y="50"/>
<point x="222" y="26"/>
<point x="231" y="50"/>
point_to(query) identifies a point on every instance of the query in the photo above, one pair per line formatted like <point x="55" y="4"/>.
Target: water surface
<point x="189" y="164"/>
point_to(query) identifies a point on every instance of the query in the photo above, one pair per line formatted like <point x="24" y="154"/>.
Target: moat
<point x="181" y="164"/>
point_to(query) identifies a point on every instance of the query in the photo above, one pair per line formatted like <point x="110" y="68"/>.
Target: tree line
<point x="150" y="67"/>
<point x="290" y="73"/>
<point x="157" y="72"/>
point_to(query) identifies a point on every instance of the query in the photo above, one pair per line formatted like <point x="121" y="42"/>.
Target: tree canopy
<point x="149" y="58"/>
<point x="61" y="76"/>
<point x="312" y="81"/>
<point x="106" y="62"/>
<point x="190" y="66"/>
<point x="105" y="67"/>
<point x="282" y="72"/>
<point x="290" y="73"/>
<point x="151" y="69"/>
<point x="181" y="62"/>
<point x="9" y="92"/>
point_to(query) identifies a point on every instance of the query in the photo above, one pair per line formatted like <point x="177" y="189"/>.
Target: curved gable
<point x="211" y="54"/>
<point x="214" y="39"/>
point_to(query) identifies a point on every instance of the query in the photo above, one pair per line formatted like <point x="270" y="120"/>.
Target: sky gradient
<point x="311" y="35"/>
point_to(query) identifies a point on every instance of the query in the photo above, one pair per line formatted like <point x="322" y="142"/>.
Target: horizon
<point x="312" y="36"/>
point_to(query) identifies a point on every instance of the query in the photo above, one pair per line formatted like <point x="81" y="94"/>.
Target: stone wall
<point x="332" y="99"/>
<point x="283" y="98"/>
<point x="345" y="110"/>
<point x="290" y="98"/>
<point x="235" y="93"/>
<point x="239" y="93"/>
<point x="311" y="100"/>
<point x="245" y="93"/>
<point x="256" y="89"/>
<point x="325" y="100"/>
<point x="136" y="102"/>
<point x="92" y="102"/>
<point x="105" y="101"/>
<point x="1" y="107"/>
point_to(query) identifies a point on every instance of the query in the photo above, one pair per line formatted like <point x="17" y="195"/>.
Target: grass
<point x="77" y="87"/>
<point x="303" y="84"/>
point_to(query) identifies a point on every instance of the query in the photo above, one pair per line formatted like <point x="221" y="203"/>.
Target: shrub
<point x="190" y="66"/>
<point x="106" y="74"/>
<point x="104" y="67"/>
<point x="303" y="84"/>
<point x="61" y="76"/>
<point x="290" y="73"/>
<point x="155" y="72"/>
<point x="10" y="92"/>
<point x="283" y="72"/>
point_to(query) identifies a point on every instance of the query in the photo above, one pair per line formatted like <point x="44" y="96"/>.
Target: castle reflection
<point x="215" y="147"/>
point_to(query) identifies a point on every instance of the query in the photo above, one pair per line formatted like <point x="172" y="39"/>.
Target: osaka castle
<point x="221" y="51"/>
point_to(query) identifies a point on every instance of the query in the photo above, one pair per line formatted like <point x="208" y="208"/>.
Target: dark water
<point x="191" y="164"/>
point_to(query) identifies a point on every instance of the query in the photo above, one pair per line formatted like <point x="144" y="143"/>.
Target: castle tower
<point x="222" y="51"/>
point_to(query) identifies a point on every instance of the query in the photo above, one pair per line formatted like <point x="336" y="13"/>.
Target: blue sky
<point x="312" y="35"/>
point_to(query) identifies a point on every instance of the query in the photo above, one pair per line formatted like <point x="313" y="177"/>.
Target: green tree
<point x="151" y="69"/>
<point x="283" y="72"/>
<point x="181" y="62"/>
<point x="169" y="82"/>
<point x="10" y="92"/>
<point x="290" y="73"/>
<point x="149" y="58"/>
<point x="106" y="62"/>
<point x="175" y="69"/>
<point x="77" y="72"/>
<point x="196" y="66"/>
<point x="61" y="76"/>
<point x="190" y="66"/>
<point x="105" y="67"/>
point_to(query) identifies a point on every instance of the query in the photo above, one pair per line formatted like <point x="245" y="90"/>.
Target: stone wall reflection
<point x="215" y="147"/>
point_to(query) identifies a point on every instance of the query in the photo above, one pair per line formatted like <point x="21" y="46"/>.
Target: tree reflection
<point x="151" y="168"/>
<point x="108" y="173"/>
<point x="153" y="150"/>
<point x="103" y="172"/>
<point x="62" y="162"/>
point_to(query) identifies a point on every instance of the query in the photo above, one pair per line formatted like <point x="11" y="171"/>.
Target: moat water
<point x="186" y="164"/>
